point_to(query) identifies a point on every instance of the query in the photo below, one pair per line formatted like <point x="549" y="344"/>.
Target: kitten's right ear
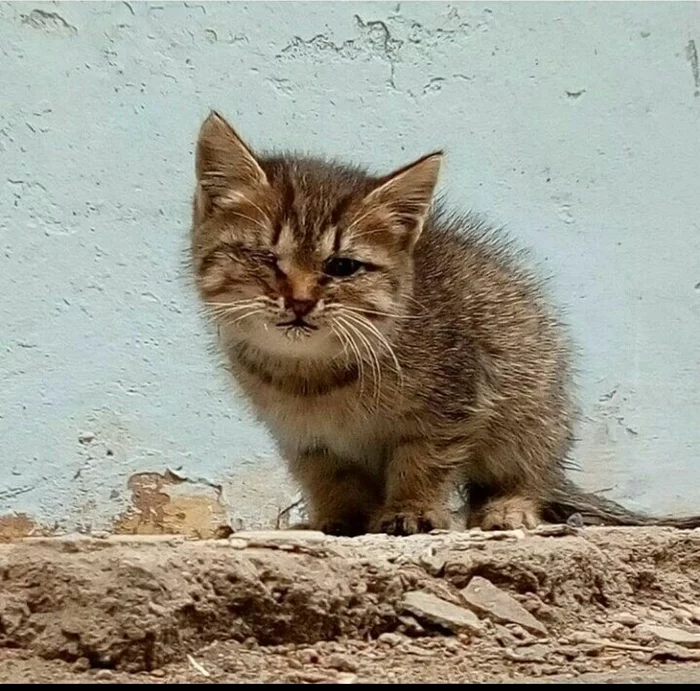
<point x="226" y="168"/>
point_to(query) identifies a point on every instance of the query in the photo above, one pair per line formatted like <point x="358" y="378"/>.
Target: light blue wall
<point x="575" y="125"/>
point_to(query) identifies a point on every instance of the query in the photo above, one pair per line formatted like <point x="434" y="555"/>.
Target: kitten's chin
<point x="293" y="342"/>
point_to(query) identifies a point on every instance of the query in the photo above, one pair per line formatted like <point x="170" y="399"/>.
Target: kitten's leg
<point x="417" y="485"/>
<point x="340" y="497"/>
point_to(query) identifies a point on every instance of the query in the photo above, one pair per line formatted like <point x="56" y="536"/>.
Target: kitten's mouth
<point x="297" y="322"/>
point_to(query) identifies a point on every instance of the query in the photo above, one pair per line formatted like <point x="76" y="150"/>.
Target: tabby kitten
<point x="392" y="351"/>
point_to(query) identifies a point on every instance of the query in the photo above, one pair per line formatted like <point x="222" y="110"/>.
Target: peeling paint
<point x="168" y="504"/>
<point x="13" y="526"/>
<point x="49" y="22"/>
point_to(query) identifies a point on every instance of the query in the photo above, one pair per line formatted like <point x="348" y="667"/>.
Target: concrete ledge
<point x="138" y="603"/>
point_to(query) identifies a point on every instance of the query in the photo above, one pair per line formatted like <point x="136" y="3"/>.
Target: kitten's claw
<point x="409" y="522"/>
<point x="344" y="527"/>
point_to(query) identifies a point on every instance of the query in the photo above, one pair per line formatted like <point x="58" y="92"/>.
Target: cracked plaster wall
<point x="576" y="125"/>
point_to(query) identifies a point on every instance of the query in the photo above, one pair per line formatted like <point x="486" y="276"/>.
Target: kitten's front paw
<point x="347" y="526"/>
<point x="409" y="521"/>
<point x="509" y="513"/>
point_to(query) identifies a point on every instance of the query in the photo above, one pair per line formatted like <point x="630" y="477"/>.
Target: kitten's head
<point x="303" y="257"/>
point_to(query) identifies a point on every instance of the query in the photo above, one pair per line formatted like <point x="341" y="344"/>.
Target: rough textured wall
<point x="575" y="125"/>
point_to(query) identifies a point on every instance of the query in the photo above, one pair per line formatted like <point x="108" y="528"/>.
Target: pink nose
<point x="300" y="307"/>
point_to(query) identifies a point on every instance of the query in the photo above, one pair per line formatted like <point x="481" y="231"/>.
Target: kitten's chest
<point x="338" y="421"/>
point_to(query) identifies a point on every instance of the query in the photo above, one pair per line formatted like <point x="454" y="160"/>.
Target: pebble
<point x="346" y="679"/>
<point x="308" y="656"/>
<point x="391" y="639"/>
<point x="672" y="635"/>
<point x="639" y="656"/>
<point x="438" y="611"/>
<point x="533" y="653"/>
<point x="626" y="619"/>
<point x="488" y="600"/>
<point x="342" y="663"/>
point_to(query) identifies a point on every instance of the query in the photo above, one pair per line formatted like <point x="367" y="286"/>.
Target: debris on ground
<point x="557" y="604"/>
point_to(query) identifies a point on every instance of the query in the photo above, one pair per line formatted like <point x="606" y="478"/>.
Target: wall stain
<point x="691" y="52"/>
<point x="167" y="504"/>
<point x="17" y="525"/>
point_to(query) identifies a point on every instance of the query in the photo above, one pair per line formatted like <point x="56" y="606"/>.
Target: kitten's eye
<point x="267" y="258"/>
<point x="341" y="267"/>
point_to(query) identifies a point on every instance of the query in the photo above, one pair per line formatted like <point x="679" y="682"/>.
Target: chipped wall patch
<point x="164" y="503"/>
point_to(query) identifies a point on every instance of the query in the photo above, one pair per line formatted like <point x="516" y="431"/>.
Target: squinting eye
<point x="341" y="267"/>
<point x="263" y="257"/>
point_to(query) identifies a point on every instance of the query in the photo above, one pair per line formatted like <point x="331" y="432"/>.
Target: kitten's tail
<point x="567" y="500"/>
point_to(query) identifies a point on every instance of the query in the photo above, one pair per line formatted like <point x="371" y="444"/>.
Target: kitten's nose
<point x="300" y="307"/>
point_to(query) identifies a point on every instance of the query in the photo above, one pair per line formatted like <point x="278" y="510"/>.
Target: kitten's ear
<point x="408" y="192"/>
<point x="226" y="168"/>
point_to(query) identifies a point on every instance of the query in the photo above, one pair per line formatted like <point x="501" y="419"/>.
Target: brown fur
<point x="437" y="362"/>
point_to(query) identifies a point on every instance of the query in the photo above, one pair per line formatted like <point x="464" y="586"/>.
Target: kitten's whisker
<point x="356" y="353"/>
<point x="245" y="316"/>
<point x="363" y="321"/>
<point x="410" y="297"/>
<point x="373" y="359"/>
<point x="393" y="315"/>
<point x="248" y="301"/>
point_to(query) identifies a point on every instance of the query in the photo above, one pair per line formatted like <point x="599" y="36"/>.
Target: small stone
<point x="158" y="673"/>
<point x="310" y="677"/>
<point x="433" y="564"/>
<point x="672" y="635"/>
<point x="82" y="664"/>
<point x="569" y="652"/>
<point x="237" y="542"/>
<point x="533" y="653"/>
<point x="309" y="656"/>
<point x="438" y="611"/>
<point x="614" y="630"/>
<point x="695" y="614"/>
<point x="346" y="679"/>
<point x="671" y="651"/>
<point x="411" y="626"/>
<point x="342" y="663"/>
<point x="86" y="437"/>
<point x="505" y="637"/>
<point x="626" y="619"/>
<point x="488" y="600"/>
<point x="391" y="639"/>
<point x="250" y="643"/>
<point x="575" y="520"/>
<point x="104" y="674"/>
<point x="578" y="637"/>
<point x="639" y="656"/>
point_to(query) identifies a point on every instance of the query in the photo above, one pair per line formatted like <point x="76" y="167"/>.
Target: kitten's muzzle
<point x="298" y="322"/>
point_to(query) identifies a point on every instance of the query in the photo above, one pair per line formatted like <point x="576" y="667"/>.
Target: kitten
<point x="391" y="350"/>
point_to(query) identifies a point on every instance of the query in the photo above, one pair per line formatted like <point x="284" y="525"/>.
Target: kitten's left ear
<point x="408" y="192"/>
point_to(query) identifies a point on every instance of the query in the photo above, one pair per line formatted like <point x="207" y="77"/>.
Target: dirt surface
<point x="613" y="605"/>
